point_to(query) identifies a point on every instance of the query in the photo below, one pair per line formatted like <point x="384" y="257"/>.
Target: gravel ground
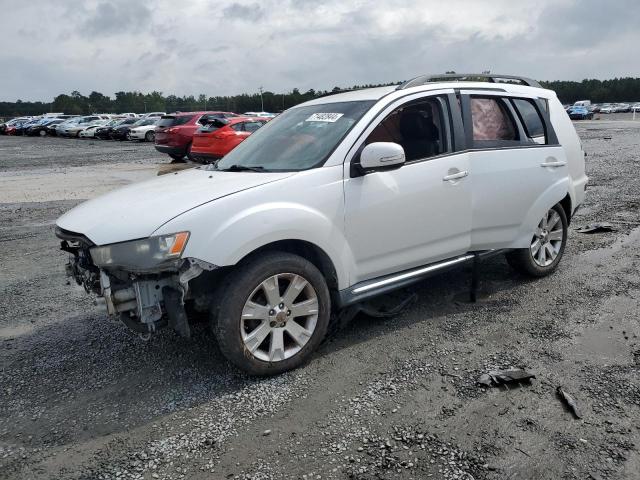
<point x="81" y="398"/>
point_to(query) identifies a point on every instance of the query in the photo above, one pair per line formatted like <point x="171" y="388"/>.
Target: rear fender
<point x="550" y="197"/>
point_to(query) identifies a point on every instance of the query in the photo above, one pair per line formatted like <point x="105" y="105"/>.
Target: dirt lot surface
<point x="81" y="398"/>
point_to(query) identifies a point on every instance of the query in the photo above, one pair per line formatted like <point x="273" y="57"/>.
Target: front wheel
<point x="272" y="313"/>
<point x="547" y="246"/>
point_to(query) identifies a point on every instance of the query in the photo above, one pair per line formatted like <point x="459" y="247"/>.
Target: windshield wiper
<point x="242" y="168"/>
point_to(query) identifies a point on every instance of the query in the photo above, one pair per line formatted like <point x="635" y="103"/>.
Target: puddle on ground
<point x="613" y="339"/>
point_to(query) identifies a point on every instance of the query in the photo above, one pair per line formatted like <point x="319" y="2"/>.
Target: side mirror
<point x="381" y="155"/>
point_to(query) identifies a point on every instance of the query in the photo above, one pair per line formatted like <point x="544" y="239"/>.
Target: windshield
<point x="299" y="139"/>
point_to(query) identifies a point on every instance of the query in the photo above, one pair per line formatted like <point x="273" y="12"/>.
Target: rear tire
<point x="189" y="155"/>
<point x="177" y="158"/>
<point x="271" y="313"/>
<point x="150" y="136"/>
<point x="547" y="246"/>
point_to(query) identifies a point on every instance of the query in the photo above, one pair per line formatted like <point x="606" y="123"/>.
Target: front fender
<point x="550" y="197"/>
<point x="223" y="235"/>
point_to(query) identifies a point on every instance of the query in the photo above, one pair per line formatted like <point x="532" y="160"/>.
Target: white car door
<point x="416" y="214"/>
<point x="518" y="169"/>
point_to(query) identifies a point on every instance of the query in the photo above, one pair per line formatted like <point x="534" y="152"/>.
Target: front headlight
<point x="145" y="254"/>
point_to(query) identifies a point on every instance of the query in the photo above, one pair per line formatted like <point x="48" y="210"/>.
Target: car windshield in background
<point x="299" y="139"/>
<point x="167" y="121"/>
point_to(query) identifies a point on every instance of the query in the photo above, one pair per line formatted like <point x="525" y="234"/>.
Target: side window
<point x="252" y="126"/>
<point x="531" y="120"/>
<point x="492" y="122"/>
<point x="238" y="127"/>
<point x="418" y="126"/>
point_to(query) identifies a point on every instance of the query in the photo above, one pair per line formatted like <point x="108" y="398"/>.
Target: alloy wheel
<point x="279" y="317"/>
<point x="547" y="239"/>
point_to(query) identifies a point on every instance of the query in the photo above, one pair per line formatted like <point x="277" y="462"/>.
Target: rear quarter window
<point x="531" y="120"/>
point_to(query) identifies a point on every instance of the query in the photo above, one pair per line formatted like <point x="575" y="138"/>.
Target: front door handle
<point x="455" y="176"/>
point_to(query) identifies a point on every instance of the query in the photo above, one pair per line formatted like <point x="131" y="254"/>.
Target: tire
<point x="533" y="261"/>
<point x="177" y="158"/>
<point x="150" y="136"/>
<point x="189" y="155"/>
<point x="248" y="342"/>
<point x="42" y="133"/>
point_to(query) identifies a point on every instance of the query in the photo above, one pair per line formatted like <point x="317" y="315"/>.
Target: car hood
<point x="137" y="210"/>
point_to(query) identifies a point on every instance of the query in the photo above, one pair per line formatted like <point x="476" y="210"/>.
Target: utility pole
<point x="261" y="101"/>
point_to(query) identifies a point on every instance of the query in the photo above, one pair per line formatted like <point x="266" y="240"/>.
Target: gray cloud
<point x="250" y="13"/>
<point x="229" y="47"/>
<point x="111" y="18"/>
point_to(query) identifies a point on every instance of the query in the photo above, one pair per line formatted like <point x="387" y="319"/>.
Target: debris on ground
<point x="496" y="378"/>
<point x="167" y="168"/>
<point x="602" y="227"/>
<point x="569" y="401"/>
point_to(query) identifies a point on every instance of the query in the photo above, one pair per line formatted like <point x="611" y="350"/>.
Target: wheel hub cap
<point x="279" y="317"/>
<point x="547" y="240"/>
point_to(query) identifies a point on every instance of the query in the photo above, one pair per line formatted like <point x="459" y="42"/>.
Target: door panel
<point x="507" y="183"/>
<point x="408" y="217"/>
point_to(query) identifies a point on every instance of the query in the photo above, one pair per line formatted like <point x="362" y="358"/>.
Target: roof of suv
<point x="416" y="85"/>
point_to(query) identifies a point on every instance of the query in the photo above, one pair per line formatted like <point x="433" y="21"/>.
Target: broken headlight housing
<point x="153" y="253"/>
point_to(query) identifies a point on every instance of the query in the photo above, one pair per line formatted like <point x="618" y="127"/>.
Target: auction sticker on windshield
<point x="324" y="117"/>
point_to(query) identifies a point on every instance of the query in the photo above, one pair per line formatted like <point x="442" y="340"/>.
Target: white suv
<point x="332" y="202"/>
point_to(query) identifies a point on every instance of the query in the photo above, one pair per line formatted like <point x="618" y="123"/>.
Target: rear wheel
<point x="189" y="155"/>
<point x="177" y="158"/>
<point x="42" y="133"/>
<point x="272" y="313"/>
<point x="547" y="245"/>
<point x="150" y="136"/>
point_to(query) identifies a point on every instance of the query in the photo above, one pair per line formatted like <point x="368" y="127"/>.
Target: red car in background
<point x="221" y="135"/>
<point x="174" y="132"/>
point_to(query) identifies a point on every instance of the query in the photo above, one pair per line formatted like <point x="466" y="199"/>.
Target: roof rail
<point x="468" y="77"/>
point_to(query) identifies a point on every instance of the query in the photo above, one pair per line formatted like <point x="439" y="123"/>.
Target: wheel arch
<point x="567" y="207"/>
<point x="310" y="251"/>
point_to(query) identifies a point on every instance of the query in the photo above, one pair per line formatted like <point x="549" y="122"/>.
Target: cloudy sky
<point x="229" y="47"/>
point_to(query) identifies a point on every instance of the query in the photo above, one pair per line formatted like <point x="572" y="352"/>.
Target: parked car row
<point x="204" y="136"/>
<point x="575" y="111"/>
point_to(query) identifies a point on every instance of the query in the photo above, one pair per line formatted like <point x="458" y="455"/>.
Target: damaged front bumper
<point x="143" y="301"/>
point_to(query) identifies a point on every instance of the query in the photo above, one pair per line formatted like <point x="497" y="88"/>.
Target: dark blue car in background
<point x="580" y="113"/>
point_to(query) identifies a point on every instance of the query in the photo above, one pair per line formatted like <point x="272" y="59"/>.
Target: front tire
<point x="271" y="313"/>
<point x="547" y="245"/>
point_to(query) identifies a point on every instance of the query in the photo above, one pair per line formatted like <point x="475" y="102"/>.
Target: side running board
<point x="377" y="286"/>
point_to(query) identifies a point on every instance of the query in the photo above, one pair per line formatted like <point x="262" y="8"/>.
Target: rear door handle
<point x="455" y="176"/>
<point x="552" y="162"/>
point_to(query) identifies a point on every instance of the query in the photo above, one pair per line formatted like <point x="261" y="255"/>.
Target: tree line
<point x="614" y="90"/>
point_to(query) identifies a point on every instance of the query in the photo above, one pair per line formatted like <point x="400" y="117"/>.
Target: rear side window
<point x="247" y="126"/>
<point x="252" y="126"/>
<point x="492" y="122"/>
<point x="173" y="121"/>
<point x="531" y="119"/>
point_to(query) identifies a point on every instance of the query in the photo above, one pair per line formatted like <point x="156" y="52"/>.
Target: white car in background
<point x="152" y="115"/>
<point x="143" y="130"/>
<point x="90" y="131"/>
<point x="76" y="125"/>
